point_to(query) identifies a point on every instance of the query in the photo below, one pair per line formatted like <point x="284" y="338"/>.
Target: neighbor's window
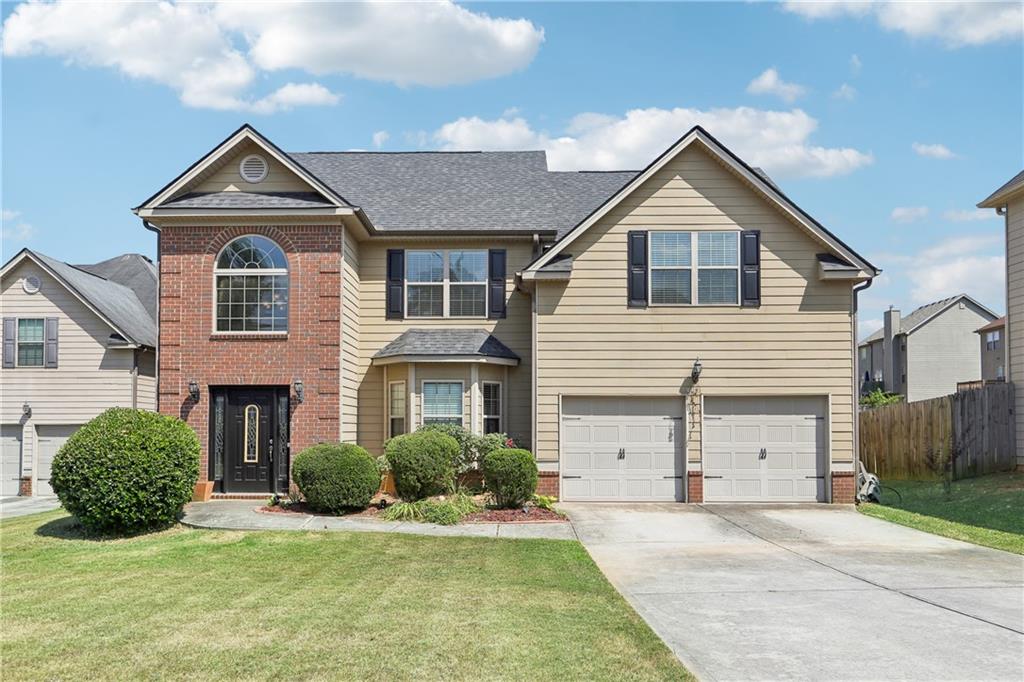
<point x="30" y="343"/>
<point x="992" y="340"/>
<point x="1000" y="372"/>
<point x="675" y="277"/>
<point x="442" y="402"/>
<point x="446" y="283"/>
<point x="492" y="407"/>
<point x="396" y="408"/>
<point x="251" y="276"/>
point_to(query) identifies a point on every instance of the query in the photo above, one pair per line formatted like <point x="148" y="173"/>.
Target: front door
<point x="249" y="429"/>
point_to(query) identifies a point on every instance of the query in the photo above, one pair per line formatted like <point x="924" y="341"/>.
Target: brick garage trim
<point x="547" y="483"/>
<point x="25" y="486"/>
<point x="843" y="487"/>
<point x="695" y="486"/>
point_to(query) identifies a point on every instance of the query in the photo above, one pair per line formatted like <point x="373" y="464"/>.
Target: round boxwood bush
<point x="422" y="463"/>
<point x="510" y="475"/>
<point x="334" y="477"/>
<point x="127" y="471"/>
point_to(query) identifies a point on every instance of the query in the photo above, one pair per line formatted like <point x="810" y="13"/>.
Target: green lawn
<point x="188" y="603"/>
<point x="988" y="510"/>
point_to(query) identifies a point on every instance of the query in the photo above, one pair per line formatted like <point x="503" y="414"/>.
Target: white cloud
<point x="908" y="214"/>
<point x="855" y="65"/>
<point x="379" y="138"/>
<point x="769" y="83"/>
<point x="15" y="229"/>
<point x="955" y="23"/>
<point x="933" y="151"/>
<point x="970" y="215"/>
<point x="778" y="141"/>
<point x="212" y="54"/>
<point x="845" y="91"/>
<point x="867" y="327"/>
<point x="980" y="276"/>
<point x="964" y="244"/>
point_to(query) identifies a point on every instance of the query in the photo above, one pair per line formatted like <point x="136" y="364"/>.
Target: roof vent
<point x="253" y="168"/>
<point x="30" y="284"/>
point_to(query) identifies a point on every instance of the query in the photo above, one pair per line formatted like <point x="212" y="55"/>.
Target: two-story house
<point x="992" y="339"/>
<point x="635" y="330"/>
<point x="77" y="340"/>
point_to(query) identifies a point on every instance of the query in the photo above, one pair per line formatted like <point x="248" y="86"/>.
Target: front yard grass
<point x="188" y="603"/>
<point x="988" y="510"/>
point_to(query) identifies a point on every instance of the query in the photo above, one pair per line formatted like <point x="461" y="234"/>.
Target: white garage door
<point x="10" y="459"/>
<point x="622" y="449"/>
<point x="50" y="438"/>
<point x="764" y="449"/>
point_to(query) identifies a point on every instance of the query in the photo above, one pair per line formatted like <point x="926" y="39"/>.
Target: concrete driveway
<point x="745" y="592"/>
<point x="23" y="506"/>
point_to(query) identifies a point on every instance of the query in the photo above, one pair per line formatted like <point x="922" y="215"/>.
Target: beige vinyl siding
<point x="1015" y="310"/>
<point x="375" y="332"/>
<point x="351" y="365"/>
<point x="225" y="177"/>
<point x="799" y="342"/>
<point x="146" y="390"/>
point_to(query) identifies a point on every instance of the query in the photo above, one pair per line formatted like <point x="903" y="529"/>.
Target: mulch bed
<point x="532" y="515"/>
<point x="301" y="508"/>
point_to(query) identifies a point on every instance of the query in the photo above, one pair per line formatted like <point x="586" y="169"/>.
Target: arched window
<point x="251" y="277"/>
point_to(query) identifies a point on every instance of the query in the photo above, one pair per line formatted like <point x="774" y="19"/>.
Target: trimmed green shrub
<point x="472" y="448"/>
<point x="510" y="476"/>
<point x="127" y="471"/>
<point x="421" y="463"/>
<point x="334" y="477"/>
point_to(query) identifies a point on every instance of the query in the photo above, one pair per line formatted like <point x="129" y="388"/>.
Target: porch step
<point x="241" y="496"/>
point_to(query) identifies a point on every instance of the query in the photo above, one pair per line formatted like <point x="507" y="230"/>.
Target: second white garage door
<point x="10" y="459"/>
<point x="49" y="440"/>
<point x="769" y="449"/>
<point x="622" y="449"/>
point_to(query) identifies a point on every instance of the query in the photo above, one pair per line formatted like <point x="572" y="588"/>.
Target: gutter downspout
<point x="856" y="393"/>
<point x="159" y="295"/>
<point x="135" y="378"/>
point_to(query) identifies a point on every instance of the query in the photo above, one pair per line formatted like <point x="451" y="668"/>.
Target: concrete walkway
<point x="810" y="592"/>
<point x="242" y="515"/>
<point x="23" y="506"/>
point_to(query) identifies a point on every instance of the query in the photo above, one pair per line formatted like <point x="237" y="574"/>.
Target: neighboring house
<point x="1008" y="201"/>
<point x="77" y="339"/>
<point x="925" y="354"/>
<point x="993" y="350"/>
<point x="356" y="296"/>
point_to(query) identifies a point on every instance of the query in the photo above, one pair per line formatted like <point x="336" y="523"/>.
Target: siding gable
<point x="224" y="175"/>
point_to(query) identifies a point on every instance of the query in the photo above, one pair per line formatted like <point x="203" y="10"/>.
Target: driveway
<point x="745" y="592"/>
<point x="22" y="506"/>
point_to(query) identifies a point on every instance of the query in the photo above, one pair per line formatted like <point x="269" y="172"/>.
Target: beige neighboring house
<point x="992" y="338"/>
<point x="680" y="333"/>
<point x="1008" y="201"/>
<point x="77" y="339"/>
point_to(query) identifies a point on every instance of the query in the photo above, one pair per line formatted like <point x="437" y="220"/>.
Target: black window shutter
<point x="50" y="349"/>
<point x="10" y="330"/>
<point x="750" y="267"/>
<point x="637" y="276"/>
<point x="496" y="284"/>
<point x="395" y="284"/>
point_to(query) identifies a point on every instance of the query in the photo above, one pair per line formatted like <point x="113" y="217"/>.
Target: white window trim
<point x="693" y="267"/>
<point x="445" y="285"/>
<point x="462" y="403"/>
<point x="404" y="414"/>
<point x="18" y="342"/>
<point x="220" y="272"/>
<point x="483" y="407"/>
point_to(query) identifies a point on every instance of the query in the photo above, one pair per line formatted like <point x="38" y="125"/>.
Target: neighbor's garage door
<point x="768" y="449"/>
<point x="10" y="459"/>
<point x="50" y="438"/>
<point x="622" y="449"/>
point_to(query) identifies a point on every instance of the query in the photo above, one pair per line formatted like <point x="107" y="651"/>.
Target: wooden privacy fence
<point x="975" y="428"/>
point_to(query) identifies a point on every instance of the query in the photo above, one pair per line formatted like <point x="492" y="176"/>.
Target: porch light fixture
<point x="695" y="372"/>
<point x="26" y="409"/>
<point x="300" y="391"/>
<point x="193" y="390"/>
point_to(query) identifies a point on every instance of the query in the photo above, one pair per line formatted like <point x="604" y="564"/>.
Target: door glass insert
<point x="252" y="431"/>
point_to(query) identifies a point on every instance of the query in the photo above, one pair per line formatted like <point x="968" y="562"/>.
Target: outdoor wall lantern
<point x="193" y="390"/>
<point x="26" y="409"/>
<point x="300" y="391"/>
<point x="695" y="372"/>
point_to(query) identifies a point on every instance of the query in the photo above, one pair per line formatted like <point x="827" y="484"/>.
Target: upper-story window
<point x="703" y="263"/>
<point x="251" y="276"/>
<point x="30" y="342"/>
<point x="992" y="340"/>
<point x="446" y="283"/>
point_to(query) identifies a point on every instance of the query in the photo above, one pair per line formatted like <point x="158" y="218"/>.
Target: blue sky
<point x="886" y="122"/>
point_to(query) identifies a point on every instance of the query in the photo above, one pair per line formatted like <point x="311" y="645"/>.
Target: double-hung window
<point x="492" y="407"/>
<point x="442" y="402"/>
<point x="992" y="340"/>
<point x="396" y="408"/>
<point x="30" y="343"/>
<point x="695" y="268"/>
<point x="446" y="283"/>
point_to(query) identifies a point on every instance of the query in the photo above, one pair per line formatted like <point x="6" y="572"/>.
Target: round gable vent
<point x="253" y="168"/>
<point x="30" y="284"/>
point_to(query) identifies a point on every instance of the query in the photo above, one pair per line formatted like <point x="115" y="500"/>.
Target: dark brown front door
<point x="249" y="430"/>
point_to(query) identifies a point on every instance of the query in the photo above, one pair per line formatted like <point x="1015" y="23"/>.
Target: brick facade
<point x="844" y="489"/>
<point x="191" y="350"/>
<point x="695" y="486"/>
<point x="547" y="483"/>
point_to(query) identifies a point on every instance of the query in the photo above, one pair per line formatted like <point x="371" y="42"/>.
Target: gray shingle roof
<point x="832" y="263"/>
<point x="118" y="303"/>
<point x="134" y="271"/>
<point x="249" y="200"/>
<point x="505" y="191"/>
<point x="447" y="342"/>
<point x="560" y="263"/>
<point x="921" y="315"/>
<point x="1011" y="184"/>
